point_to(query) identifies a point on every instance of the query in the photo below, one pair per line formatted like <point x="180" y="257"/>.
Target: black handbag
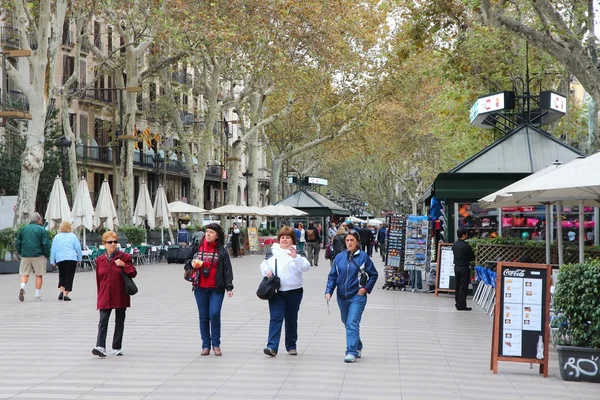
<point x="130" y="286"/>
<point x="269" y="286"/>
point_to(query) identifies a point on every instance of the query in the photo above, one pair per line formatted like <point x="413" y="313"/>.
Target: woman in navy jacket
<point x="346" y="272"/>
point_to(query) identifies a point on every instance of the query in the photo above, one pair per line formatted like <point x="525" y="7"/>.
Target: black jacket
<point x="463" y="254"/>
<point x="339" y="244"/>
<point x="224" y="270"/>
<point x="366" y="236"/>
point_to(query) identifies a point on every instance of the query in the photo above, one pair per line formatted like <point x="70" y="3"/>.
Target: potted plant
<point x="577" y="300"/>
<point x="7" y="240"/>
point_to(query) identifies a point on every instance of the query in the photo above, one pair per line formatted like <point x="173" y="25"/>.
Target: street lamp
<point x="64" y="144"/>
<point x="159" y="161"/>
<point x="247" y="175"/>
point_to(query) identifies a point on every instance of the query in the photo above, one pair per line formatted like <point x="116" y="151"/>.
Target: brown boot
<point x="217" y="351"/>
<point x="205" y="352"/>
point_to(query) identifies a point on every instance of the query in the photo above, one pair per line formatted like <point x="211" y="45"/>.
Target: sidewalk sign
<point x="521" y="317"/>
<point x="253" y="244"/>
<point x="444" y="280"/>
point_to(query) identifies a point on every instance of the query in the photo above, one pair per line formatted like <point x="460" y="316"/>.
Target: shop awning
<point x="313" y="203"/>
<point x="469" y="186"/>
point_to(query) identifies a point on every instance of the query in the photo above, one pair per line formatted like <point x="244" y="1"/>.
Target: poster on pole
<point x="253" y="244"/>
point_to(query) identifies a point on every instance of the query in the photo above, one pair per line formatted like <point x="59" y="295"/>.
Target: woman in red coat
<point x="111" y="292"/>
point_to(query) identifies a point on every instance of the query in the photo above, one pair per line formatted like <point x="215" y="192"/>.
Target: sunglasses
<point x="111" y="242"/>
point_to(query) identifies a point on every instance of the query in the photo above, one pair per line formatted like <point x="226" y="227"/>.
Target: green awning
<point x="472" y="186"/>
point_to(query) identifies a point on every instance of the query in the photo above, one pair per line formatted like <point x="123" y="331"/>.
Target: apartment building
<point x="94" y="119"/>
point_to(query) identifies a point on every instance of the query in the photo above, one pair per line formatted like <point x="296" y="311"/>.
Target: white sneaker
<point x="99" y="351"/>
<point x="38" y="298"/>
<point x="117" y="352"/>
<point x="359" y="353"/>
<point x="349" y="358"/>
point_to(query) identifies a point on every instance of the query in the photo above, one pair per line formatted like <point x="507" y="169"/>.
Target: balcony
<point x="15" y="101"/>
<point x="187" y="118"/>
<point x="182" y="77"/>
<point x="96" y="95"/>
<point x="10" y="37"/>
<point x="96" y="154"/>
<point x="143" y="160"/>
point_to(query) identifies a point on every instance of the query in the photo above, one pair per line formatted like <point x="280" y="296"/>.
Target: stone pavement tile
<point x="109" y="396"/>
<point x="33" y="395"/>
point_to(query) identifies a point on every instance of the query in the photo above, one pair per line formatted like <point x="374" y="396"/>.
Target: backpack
<point x="310" y="234"/>
<point x="328" y="252"/>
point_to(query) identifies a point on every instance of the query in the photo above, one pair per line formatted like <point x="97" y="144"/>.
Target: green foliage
<point x="577" y="297"/>
<point x="273" y="231"/>
<point x="10" y="164"/>
<point x="8" y="237"/>
<point x="135" y="235"/>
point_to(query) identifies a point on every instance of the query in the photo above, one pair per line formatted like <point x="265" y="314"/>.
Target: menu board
<point x="445" y="269"/>
<point x="522" y="314"/>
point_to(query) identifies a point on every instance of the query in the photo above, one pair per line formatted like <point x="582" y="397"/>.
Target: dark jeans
<point x="462" y="276"/>
<point x="235" y="245"/>
<point x="351" y="312"/>
<point x="103" y="328"/>
<point x="284" y="305"/>
<point x="209" y="304"/>
<point x="367" y="248"/>
<point x="66" y="274"/>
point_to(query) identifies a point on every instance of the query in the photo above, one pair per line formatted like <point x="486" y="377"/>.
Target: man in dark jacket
<point x="381" y="240"/>
<point x="313" y="239"/>
<point x="463" y="255"/>
<point x="33" y="245"/>
<point x="366" y="239"/>
<point x="183" y="236"/>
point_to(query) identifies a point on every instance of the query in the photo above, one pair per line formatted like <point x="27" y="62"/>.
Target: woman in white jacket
<point x="285" y="304"/>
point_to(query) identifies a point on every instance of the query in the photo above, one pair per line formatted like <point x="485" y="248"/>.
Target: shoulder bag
<point x="269" y="286"/>
<point x="130" y="286"/>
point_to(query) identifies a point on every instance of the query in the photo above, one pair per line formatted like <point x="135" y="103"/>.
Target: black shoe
<point x="464" y="309"/>
<point x="67" y="298"/>
<point x="61" y="295"/>
<point x="270" y="352"/>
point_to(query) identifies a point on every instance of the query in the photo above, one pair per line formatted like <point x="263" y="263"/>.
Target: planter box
<point x="12" y="267"/>
<point x="579" y="364"/>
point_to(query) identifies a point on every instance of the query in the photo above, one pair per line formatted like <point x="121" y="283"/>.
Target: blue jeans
<point x="284" y="305"/>
<point x="351" y="310"/>
<point x="209" y="304"/>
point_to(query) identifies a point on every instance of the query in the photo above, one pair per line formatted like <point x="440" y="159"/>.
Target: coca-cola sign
<point x="516" y="273"/>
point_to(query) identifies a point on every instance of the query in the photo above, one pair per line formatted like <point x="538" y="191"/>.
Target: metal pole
<point x="4" y="82"/>
<point x="548" y="228"/>
<point x="63" y="160"/>
<point x="581" y="233"/>
<point x="559" y="233"/>
<point x="222" y="192"/>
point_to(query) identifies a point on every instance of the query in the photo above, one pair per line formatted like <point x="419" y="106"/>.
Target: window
<point x="66" y="34"/>
<point x="152" y="92"/>
<point x="97" y="38"/>
<point x="82" y="74"/>
<point x="109" y="85"/>
<point x="110" y="40"/>
<point x="83" y="127"/>
<point x="185" y="101"/>
<point x="72" y="119"/>
<point x="68" y="67"/>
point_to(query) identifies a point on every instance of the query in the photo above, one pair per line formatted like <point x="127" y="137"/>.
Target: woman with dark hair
<point x="285" y="304"/>
<point x="354" y="275"/>
<point x="211" y="276"/>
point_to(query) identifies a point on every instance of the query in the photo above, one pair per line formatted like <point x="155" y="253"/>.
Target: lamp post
<point x="64" y="144"/>
<point x="159" y="162"/>
<point x="247" y="175"/>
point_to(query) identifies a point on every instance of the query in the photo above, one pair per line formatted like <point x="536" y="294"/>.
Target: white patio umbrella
<point x="106" y="215"/>
<point x="231" y="209"/>
<point x="162" y="216"/>
<point x="58" y="206"/>
<point x="374" y="222"/>
<point x="354" y="219"/>
<point x="83" y="210"/>
<point x="181" y="207"/>
<point x="577" y="181"/>
<point x="283" y="210"/>
<point x="143" y="208"/>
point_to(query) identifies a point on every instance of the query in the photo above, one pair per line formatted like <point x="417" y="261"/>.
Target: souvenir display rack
<point x="416" y="250"/>
<point x="395" y="247"/>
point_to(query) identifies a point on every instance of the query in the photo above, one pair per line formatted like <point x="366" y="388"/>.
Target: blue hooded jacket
<point x="344" y="274"/>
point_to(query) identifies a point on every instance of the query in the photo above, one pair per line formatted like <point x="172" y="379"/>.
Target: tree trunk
<point x="276" y="164"/>
<point x="253" y="168"/>
<point x="235" y="161"/>
<point x="32" y="160"/>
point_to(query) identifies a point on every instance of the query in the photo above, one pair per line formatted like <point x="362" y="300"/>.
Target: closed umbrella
<point x="83" y="211"/>
<point x="58" y="206"/>
<point x="106" y="215"/>
<point x="162" y="216"/>
<point x="143" y="208"/>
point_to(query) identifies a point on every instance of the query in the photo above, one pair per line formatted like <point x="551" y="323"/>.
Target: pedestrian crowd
<point x="208" y="267"/>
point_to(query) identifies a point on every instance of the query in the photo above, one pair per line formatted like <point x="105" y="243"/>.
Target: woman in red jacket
<point x="111" y="292"/>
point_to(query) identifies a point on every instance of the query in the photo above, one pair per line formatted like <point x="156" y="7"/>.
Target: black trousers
<point x="462" y="276"/>
<point x="66" y="274"/>
<point x="235" y="245"/>
<point x="103" y="328"/>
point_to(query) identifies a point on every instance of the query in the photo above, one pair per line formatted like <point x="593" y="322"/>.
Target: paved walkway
<point x="416" y="347"/>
